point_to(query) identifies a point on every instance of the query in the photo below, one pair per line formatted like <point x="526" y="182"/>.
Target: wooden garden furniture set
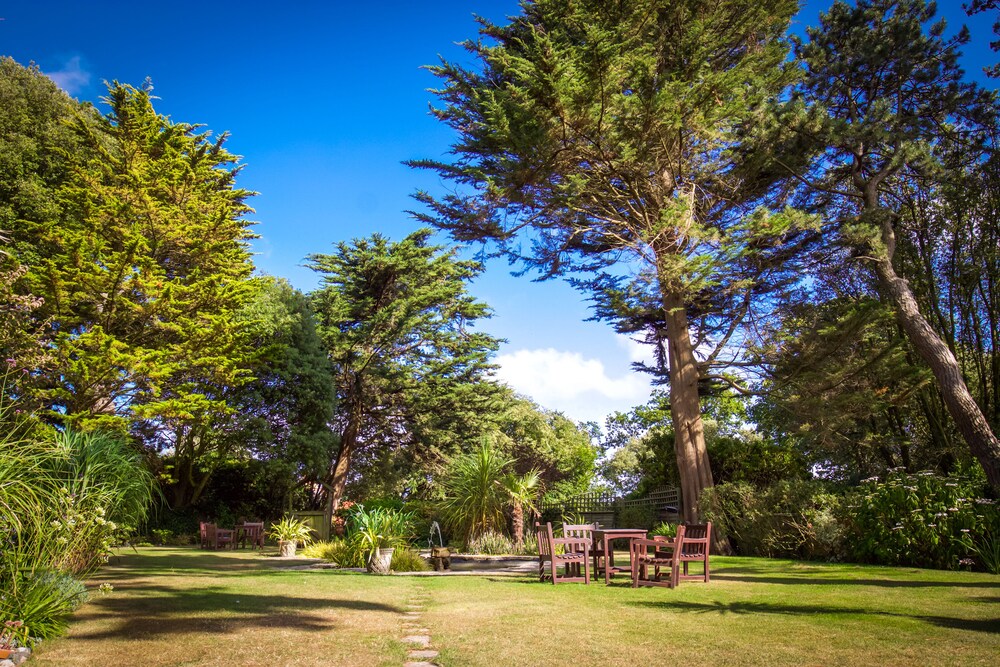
<point x="659" y="561"/>
<point x="247" y="533"/>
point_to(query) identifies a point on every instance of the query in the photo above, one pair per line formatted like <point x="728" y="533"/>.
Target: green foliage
<point x="545" y="441"/>
<point x="284" y="413"/>
<point x="375" y="528"/>
<point x="643" y="458"/>
<point x="889" y="122"/>
<point x="479" y="488"/>
<point x="343" y="552"/>
<point x="64" y="501"/>
<point x="792" y="519"/>
<point x="290" y="529"/>
<point x="408" y="560"/>
<point x="491" y="542"/>
<point x="410" y="371"/>
<point x="844" y="390"/>
<point x="635" y="516"/>
<point x="665" y="530"/>
<point x="923" y="520"/>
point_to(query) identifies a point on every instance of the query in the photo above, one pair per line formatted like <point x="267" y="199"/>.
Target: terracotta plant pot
<point x="5" y="653"/>
<point x="380" y="562"/>
<point x="287" y="548"/>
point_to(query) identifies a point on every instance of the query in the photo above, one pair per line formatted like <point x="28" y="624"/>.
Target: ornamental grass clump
<point x="923" y="520"/>
<point x="492" y="543"/>
<point x="65" y="500"/>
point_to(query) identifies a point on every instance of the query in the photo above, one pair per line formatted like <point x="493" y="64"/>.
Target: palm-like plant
<point x="521" y="493"/>
<point x="478" y="490"/>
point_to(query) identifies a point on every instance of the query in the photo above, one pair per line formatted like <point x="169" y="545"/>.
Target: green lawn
<point x="186" y="607"/>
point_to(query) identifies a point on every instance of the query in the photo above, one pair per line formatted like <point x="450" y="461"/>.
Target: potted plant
<point x="12" y="635"/>
<point x="289" y="532"/>
<point x="377" y="532"/>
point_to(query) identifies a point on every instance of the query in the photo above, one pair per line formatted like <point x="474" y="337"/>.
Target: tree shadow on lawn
<point x="722" y="608"/>
<point x="211" y="610"/>
<point x="762" y="576"/>
<point x="130" y="562"/>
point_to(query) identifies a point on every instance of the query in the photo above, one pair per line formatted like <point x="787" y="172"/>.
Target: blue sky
<point x="325" y="100"/>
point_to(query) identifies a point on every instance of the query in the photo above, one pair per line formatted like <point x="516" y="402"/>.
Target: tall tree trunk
<point x="936" y="354"/>
<point x="348" y="443"/>
<point x="517" y="521"/>
<point x="685" y="408"/>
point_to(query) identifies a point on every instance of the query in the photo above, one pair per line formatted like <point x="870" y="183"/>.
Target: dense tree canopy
<point x="598" y="138"/>
<point x="884" y="105"/>
<point x="410" y="370"/>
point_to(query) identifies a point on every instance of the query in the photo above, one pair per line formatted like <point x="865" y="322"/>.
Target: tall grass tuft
<point x="64" y="501"/>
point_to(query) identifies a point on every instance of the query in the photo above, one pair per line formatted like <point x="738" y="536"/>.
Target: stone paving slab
<point x="424" y="655"/>
<point x="422" y="640"/>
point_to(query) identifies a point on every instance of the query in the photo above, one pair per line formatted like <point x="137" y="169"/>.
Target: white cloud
<point x="578" y="386"/>
<point x="72" y="78"/>
<point x="636" y="351"/>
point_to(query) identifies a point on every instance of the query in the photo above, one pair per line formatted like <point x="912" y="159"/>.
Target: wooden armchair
<point x="252" y="533"/>
<point x="575" y="552"/>
<point x="697" y="540"/>
<point x="662" y="555"/>
<point x="585" y="531"/>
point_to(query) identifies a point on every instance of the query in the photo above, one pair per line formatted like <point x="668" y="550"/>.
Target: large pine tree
<point x="597" y="137"/>
<point x="398" y="325"/>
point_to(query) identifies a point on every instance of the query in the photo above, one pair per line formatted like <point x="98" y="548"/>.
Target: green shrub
<point x="161" y="535"/>
<point x="492" y="543"/>
<point x="290" y="529"/>
<point x="636" y="516"/>
<point x="665" y="529"/>
<point x="922" y="520"/>
<point x="408" y="560"/>
<point x="65" y="500"/>
<point x="791" y="519"/>
<point x="338" y="550"/>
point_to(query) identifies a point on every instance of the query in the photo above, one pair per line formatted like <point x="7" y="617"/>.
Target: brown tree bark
<point x="348" y="442"/>
<point x="962" y="407"/>
<point x="685" y="407"/>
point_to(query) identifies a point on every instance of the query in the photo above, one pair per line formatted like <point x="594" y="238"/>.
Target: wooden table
<point x="224" y="536"/>
<point x="605" y="537"/>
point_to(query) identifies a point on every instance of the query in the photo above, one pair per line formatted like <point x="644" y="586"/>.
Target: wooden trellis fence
<point x="602" y="507"/>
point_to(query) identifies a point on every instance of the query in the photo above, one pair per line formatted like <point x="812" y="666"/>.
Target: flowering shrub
<point x="922" y="519"/>
<point x="64" y="501"/>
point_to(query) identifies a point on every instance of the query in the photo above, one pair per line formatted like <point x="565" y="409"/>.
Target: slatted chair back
<point x="253" y="532"/>
<point x="581" y="530"/>
<point x="697" y="541"/>
<point x="586" y="531"/>
<point x="544" y="537"/>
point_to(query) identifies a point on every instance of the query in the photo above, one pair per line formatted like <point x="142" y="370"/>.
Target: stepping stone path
<point x="417" y="638"/>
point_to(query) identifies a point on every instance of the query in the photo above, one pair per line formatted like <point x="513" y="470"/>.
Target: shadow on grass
<point x="722" y="608"/>
<point x="756" y="576"/>
<point x="172" y="612"/>
<point x="129" y="563"/>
